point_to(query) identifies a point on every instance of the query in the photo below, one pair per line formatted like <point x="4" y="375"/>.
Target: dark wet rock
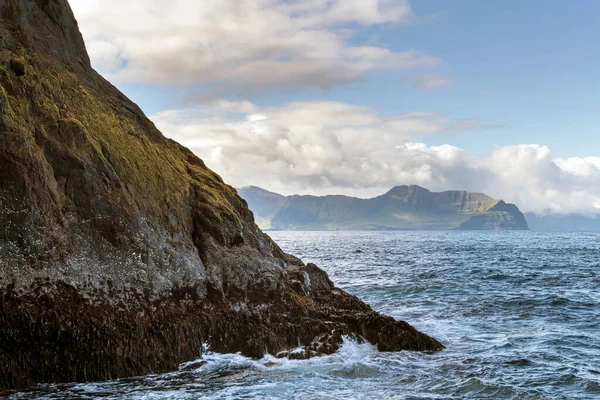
<point x="521" y="362"/>
<point x="192" y="366"/>
<point x="298" y="354"/>
<point x="592" y="386"/>
<point x="327" y="343"/>
<point x="121" y="253"/>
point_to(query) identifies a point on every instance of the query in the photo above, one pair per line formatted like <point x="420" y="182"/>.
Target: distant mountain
<point x="402" y="208"/>
<point x="567" y="222"/>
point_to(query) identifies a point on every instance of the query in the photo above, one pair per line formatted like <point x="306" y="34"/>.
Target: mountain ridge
<point x="402" y="207"/>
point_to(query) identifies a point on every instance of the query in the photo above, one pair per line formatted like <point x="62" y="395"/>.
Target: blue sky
<point x="528" y="69"/>
<point x="354" y="96"/>
<point x="529" y="66"/>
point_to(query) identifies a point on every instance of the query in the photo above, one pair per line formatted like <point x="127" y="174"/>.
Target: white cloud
<point x="431" y="81"/>
<point x="331" y="147"/>
<point x="240" y="46"/>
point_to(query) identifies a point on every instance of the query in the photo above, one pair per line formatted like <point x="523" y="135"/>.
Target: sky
<point x="357" y="96"/>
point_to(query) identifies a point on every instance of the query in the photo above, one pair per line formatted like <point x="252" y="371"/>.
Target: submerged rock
<point x="121" y="253"/>
<point x="192" y="366"/>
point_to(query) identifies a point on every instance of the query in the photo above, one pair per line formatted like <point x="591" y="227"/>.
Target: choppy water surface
<point x="518" y="311"/>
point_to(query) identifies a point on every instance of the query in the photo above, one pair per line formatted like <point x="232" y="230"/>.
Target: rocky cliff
<point x="501" y="216"/>
<point x="403" y="207"/>
<point x="120" y="252"/>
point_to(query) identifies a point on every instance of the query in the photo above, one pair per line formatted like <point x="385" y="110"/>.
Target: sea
<point x="519" y="313"/>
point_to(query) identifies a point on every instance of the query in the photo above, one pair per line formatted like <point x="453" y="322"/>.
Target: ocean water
<point x="519" y="313"/>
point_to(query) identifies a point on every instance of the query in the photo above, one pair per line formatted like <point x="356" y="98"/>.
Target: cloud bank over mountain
<point x="329" y="147"/>
<point x="214" y="51"/>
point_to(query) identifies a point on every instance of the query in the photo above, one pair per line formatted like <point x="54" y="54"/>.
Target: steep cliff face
<point x="501" y="216"/>
<point x="403" y="207"/>
<point x="120" y="252"/>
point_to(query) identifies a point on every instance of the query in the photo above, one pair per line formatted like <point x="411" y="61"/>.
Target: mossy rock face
<point x="120" y="251"/>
